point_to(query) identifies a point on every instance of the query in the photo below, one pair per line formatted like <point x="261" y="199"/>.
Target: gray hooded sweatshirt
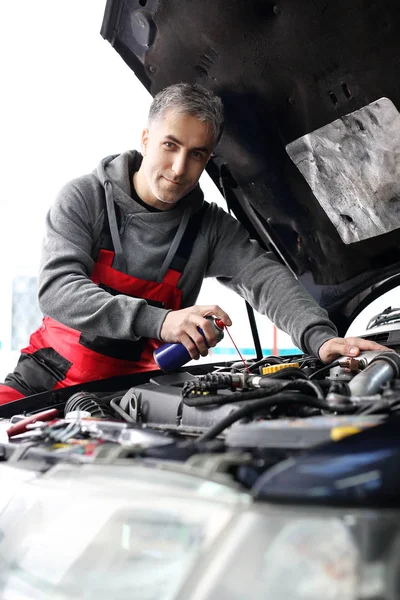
<point x="145" y="245"/>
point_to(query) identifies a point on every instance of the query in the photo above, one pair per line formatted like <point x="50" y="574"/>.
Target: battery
<point x="172" y="356"/>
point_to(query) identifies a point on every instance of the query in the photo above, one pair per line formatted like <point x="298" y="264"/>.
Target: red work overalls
<point x="58" y="356"/>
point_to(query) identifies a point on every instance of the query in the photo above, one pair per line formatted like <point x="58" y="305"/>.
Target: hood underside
<point x="310" y="155"/>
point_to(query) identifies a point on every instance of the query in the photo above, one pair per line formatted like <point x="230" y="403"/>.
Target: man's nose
<point x="179" y="164"/>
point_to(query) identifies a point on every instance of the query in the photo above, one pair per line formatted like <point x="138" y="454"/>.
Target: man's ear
<point x="145" y="140"/>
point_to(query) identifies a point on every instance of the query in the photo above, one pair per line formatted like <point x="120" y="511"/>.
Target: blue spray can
<point x="170" y="357"/>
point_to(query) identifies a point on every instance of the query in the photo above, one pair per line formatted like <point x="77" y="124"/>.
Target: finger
<point x="216" y="311"/>
<point x="331" y="349"/>
<point x="343" y="348"/>
<point x="337" y="348"/>
<point x="198" y="338"/>
<point x="354" y="344"/>
<point x="347" y="350"/>
<point x="209" y="332"/>
<point x="190" y="346"/>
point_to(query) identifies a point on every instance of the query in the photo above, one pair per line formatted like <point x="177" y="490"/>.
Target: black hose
<point x="86" y="401"/>
<point x="256" y="405"/>
<point x="331" y="365"/>
<point x="374" y="408"/>
<point x="211" y="383"/>
<point x="299" y="385"/>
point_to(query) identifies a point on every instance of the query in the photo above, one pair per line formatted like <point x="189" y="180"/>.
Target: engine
<point x="262" y="414"/>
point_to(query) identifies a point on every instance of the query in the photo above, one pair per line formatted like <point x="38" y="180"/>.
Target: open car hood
<point x="310" y="153"/>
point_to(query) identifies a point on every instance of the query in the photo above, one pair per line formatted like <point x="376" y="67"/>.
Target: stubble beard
<point x="163" y="195"/>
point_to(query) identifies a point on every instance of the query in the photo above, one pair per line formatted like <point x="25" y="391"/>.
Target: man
<point x="127" y="248"/>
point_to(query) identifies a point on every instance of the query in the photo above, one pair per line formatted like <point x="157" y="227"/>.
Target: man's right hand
<point x="181" y="326"/>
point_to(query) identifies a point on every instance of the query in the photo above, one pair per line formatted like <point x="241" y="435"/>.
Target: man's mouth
<point x="172" y="181"/>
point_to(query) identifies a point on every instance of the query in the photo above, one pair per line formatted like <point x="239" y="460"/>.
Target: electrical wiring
<point x="257" y="405"/>
<point x="307" y="361"/>
<point x="200" y="396"/>
<point x="268" y="360"/>
<point x="221" y="399"/>
<point x="300" y="385"/>
<point x="212" y="382"/>
<point x="331" y="365"/>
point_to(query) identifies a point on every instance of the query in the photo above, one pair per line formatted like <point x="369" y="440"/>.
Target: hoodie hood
<point x="309" y="158"/>
<point x="116" y="168"/>
<point x="113" y="173"/>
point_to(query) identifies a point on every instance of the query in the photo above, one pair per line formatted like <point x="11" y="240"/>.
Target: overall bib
<point x="58" y="356"/>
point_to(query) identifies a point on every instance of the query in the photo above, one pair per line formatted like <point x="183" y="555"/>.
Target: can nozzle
<point x="219" y="323"/>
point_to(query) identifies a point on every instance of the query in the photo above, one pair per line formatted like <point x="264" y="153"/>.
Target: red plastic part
<point x="20" y="427"/>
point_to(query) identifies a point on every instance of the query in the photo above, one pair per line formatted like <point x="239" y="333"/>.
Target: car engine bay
<point x="228" y="421"/>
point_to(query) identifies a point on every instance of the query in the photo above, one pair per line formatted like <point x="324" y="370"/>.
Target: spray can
<point x="170" y="357"/>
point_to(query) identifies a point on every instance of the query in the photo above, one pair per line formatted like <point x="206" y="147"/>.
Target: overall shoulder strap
<point x="184" y="250"/>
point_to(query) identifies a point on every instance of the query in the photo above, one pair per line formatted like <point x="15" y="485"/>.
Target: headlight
<point x="311" y="558"/>
<point x="97" y="532"/>
<point x="12" y="479"/>
<point x="285" y="554"/>
<point x="109" y="531"/>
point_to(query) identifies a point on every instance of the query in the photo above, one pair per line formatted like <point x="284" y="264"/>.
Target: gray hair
<point x="191" y="99"/>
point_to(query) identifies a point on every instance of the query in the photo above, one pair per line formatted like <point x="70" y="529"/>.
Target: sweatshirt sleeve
<point x="66" y="292"/>
<point x="269" y="287"/>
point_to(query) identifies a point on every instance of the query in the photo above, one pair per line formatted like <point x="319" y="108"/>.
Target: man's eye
<point x="168" y="144"/>
<point x="197" y="155"/>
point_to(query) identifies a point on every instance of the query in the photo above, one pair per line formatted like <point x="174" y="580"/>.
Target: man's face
<point x="175" y="149"/>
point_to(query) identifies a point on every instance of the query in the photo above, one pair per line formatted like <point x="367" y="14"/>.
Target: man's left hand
<point x="351" y="346"/>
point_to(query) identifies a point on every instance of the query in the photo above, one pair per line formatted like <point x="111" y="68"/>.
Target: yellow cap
<point x="275" y="368"/>
<point x="342" y="431"/>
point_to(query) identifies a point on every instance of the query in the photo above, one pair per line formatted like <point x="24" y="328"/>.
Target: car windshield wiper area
<point x="389" y="315"/>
